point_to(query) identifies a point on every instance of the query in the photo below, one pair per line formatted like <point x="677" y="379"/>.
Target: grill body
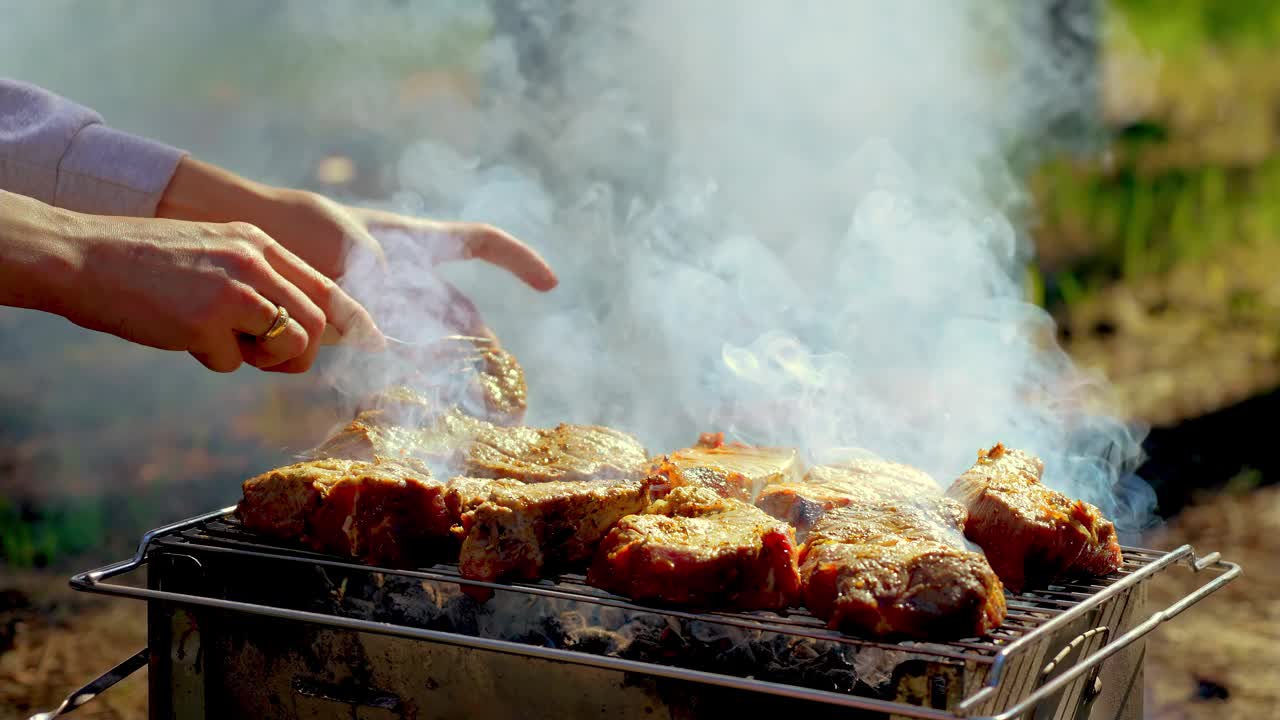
<point x="212" y="662"/>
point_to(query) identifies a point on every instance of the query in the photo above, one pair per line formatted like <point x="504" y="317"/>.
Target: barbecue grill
<point x="240" y="627"/>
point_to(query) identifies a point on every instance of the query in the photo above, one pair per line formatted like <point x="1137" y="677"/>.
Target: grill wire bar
<point x="1033" y="616"/>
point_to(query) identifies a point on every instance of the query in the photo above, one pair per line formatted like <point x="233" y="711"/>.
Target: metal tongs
<point x="97" y="687"/>
<point x="449" y="346"/>
<point x="439" y="359"/>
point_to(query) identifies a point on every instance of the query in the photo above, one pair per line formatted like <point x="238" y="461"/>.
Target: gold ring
<point x="278" y="325"/>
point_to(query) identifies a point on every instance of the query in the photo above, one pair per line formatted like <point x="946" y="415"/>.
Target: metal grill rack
<point x="1008" y="688"/>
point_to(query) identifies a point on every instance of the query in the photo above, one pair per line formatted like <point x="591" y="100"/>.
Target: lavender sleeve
<point x="61" y="153"/>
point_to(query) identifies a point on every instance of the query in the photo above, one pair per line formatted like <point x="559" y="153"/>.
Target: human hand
<point x="207" y="288"/>
<point x="333" y="238"/>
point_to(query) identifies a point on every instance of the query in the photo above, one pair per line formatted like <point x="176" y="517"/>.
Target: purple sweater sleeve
<point x="59" y="152"/>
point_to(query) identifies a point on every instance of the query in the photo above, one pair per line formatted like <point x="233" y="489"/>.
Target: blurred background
<point x="1157" y="251"/>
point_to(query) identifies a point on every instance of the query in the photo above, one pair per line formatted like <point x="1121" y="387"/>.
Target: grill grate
<point x="1027" y="612"/>
<point x="1008" y="679"/>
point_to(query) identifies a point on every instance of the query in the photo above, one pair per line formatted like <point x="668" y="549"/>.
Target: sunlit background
<point x="1155" y="224"/>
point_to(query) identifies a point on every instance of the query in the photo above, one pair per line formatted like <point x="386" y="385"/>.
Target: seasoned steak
<point x="899" y="568"/>
<point x="826" y="487"/>
<point x="565" y="452"/>
<point x="664" y="476"/>
<point x="511" y="529"/>
<point x="474" y="447"/>
<point x="732" y="471"/>
<point x="750" y="468"/>
<point x="1032" y="534"/>
<point x="492" y="388"/>
<point x="374" y="435"/>
<point x="383" y="513"/>
<point x="500" y="387"/>
<point x="400" y="405"/>
<point x="695" y="547"/>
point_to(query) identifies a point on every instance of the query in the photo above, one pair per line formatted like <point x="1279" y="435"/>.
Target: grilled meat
<point x="477" y="448"/>
<point x="374" y="435"/>
<point x="732" y="471"/>
<point x="751" y="468"/>
<point x="664" y="476"/>
<point x="826" y="487"/>
<point x="899" y="568"/>
<point x="696" y="547"/>
<point x="384" y="513"/>
<point x="1031" y="533"/>
<point x="400" y="405"/>
<point x="513" y="529"/>
<point x="565" y="452"/>
<point x="494" y="389"/>
<point x="501" y="388"/>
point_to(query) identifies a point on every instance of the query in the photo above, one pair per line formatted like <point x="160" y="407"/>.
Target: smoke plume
<point x="795" y="223"/>
<point x="799" y="223"/>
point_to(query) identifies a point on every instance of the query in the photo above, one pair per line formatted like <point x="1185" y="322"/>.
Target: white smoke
<point x="796" y="222"/>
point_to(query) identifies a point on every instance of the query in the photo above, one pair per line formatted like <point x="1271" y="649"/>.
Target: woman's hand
<point x="210" y="289"/>
<point x="332" y="237"/>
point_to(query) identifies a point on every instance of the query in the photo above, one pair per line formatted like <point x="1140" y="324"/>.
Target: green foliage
<point x="1147" y="222"/>
<point x="1184" y="26"/>
<point x="31" y="540"/>
<point x="1156" y="200"/>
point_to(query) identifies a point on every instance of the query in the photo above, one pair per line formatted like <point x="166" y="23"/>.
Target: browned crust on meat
<point x="1031" y="533"/>
<point x="476" y="448"/>
<point x="383" y="513"/>
<point x="826" y="487"/>
<point x="695" y="547"/>
<point x="514" y="530"/>
<point x="897" y="568"/>
<point x="495" y="391"/>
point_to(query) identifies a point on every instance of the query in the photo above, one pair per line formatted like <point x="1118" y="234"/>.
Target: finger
<point x="253" y="317"/>
<point x="348" y="317"/>
<point x="302" y="310"/>
<point x="488" y="243"/>
<point x="222" y="357"/>
<point x="263" y="352"/>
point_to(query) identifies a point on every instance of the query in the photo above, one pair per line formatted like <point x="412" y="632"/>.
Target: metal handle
<point x="1120" y="643"/>
<point x="97" y="686"/>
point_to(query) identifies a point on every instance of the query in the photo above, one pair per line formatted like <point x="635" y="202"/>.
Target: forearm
<point x="202" y="192"/>
<point x="39" y="254"/>
<point x="62" y="154"/>
<point x="303" y="222"/>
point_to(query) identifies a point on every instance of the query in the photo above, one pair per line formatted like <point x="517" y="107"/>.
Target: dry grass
<point x="63" y="640"/>
<point x="1232" y="639"/>
<point x="1186" y="343"/>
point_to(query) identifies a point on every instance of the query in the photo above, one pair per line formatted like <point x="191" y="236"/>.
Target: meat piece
<point x="1031" y="533"/>
<point x="826" y="487"/>
<point x="695" y="547"/>
<point x="511" y="529"/>
<point x="474" y="447"/>
<point x="383" y="513"/>
<point x="732" y="471"/>
<point x="494" y="390"/>
<point x="899" y="568"/>
<point x="401" y="405"/>
<point x="664" y="476"/>
<point x="501" y="388"/>
<point x="374" y="435"/>
<point x="749" y="468"/>
<point x="565" y="452"/>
